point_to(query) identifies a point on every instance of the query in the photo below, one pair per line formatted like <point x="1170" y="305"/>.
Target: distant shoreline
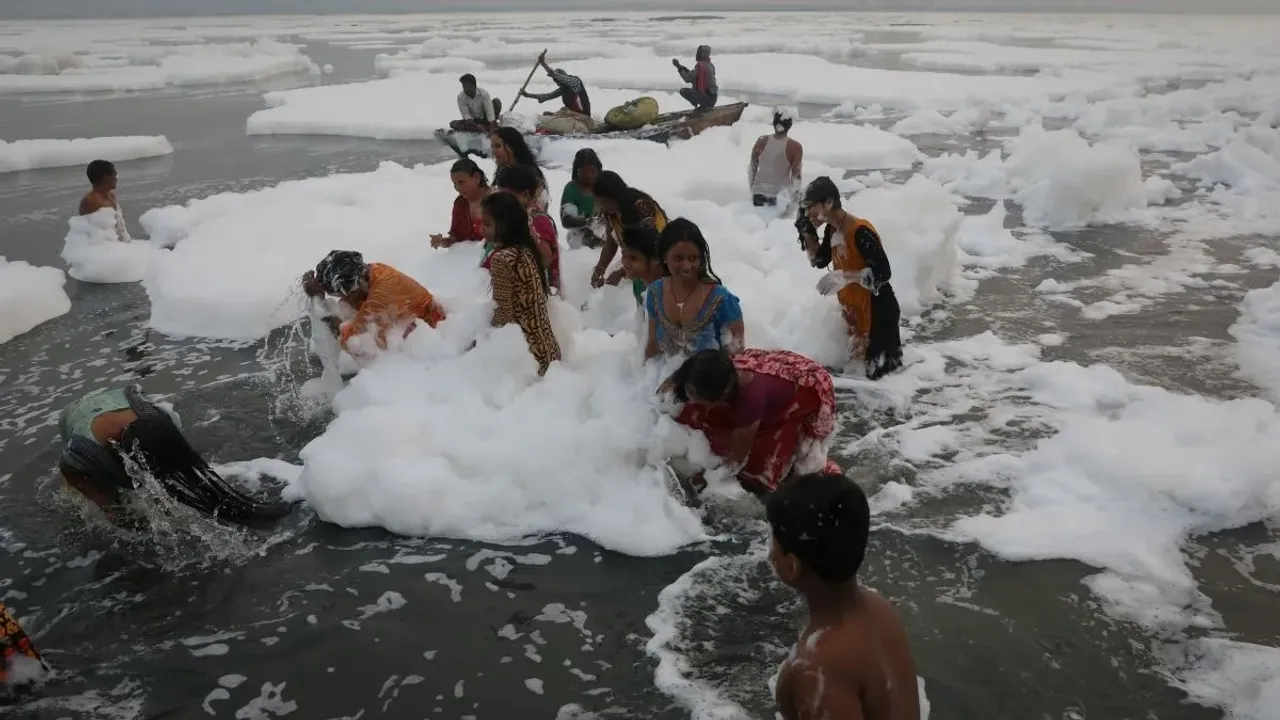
<point x="35" y="10"/>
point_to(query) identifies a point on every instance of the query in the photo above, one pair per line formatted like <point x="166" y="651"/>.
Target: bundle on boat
<point x="634" y="120"/>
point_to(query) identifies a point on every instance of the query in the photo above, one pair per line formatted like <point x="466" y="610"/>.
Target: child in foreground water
<point x="852" y="660"/>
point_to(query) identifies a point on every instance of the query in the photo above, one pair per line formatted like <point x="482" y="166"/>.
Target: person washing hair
<point x="623" y="207"/>
<point x="102" y="194"/>
<point x="100" y="430"/>
<point x="703" y="91"/>
<point x="381" y="296"/>
<point x="579" y="213"/>
<point x="860" y="279"/>
<point x="775" y="163"/>
<point x="479" y="112"/>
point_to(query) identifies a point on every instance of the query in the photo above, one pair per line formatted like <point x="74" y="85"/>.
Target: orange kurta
<point x="855" y="300"/>
<point x="394" y="298"/>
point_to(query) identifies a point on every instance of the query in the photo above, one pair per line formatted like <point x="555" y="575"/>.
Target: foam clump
<point x="1257" y="334"/>
<point x="29" y="295"/>
<point x="96" y="251"/>
<point x="32" y="154"/>
<point x="1063" y="182"/>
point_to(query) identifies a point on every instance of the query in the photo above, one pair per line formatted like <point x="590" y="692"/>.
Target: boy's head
<point x="468" y="84"/>
<point x="640" y="251"/>
<point x="102" y="175"/>
<point x="820" y="526"/>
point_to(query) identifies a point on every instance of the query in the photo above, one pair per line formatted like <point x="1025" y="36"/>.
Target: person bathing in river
<point x="102" y="194"/>
<point x="381" y="296"/>
<point x="688" y="308"/>
<point x="860" y="279"/>
<point x="570" y="91"/>
<point x="578" y="209"/>
<point x="703" y="89"/>
<point x="472" y="186"/>
<point x="853" y="657"/>
<point x="479" y="112"/>
<point x="641" y="259"/>
<point x="519" y="278"/>
<point x="508" y="147"/>
<point x="623" y="207"/>
<point x="110" y="435"/>
<point x="519" y="181"/>
<point x="766" y="413"/>
<point x="776" y="162"/>
<point x="21" y="665"/>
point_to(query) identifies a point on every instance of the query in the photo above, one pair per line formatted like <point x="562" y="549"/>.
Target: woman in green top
<point x="640" y="258"/>
<point x="110" y="435"/>
<point x="578" y="208"/>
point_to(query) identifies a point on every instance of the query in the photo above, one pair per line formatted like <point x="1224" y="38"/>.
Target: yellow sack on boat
<point x="634" y="114"/>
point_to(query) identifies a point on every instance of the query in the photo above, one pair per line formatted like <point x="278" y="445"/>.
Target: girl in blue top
<point x="688" y="308"/>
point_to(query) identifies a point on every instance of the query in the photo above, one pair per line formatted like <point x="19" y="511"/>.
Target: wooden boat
<point x="678" y="125"/>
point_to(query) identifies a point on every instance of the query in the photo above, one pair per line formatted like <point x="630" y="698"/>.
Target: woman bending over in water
<point x="767" y="413"/>
<point x="472" y="186"/>
<point x="641" y="259"/>
<point x="688" y="308"/>
<point x="381" y="296"/>
<point x="520" y="283"/>
<point x="102" y="429"/>
<point x="578" y="207"/>
<point x="861" y="281"/>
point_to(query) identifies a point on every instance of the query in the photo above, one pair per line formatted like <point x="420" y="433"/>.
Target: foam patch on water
<point x="32" y="154"/>
<point x="1257" y="333"/>
<point x="96" y="253"/>
<point x="29" y="295"/>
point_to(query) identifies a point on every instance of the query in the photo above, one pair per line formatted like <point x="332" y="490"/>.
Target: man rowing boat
<point x="569" y="89"/>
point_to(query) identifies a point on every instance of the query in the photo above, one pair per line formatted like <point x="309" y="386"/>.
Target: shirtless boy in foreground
<point x="852" y="661"/>
<point x="102" y="176"/>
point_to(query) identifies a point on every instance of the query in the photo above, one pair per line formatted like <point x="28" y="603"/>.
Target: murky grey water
<point x="327" y="623"/>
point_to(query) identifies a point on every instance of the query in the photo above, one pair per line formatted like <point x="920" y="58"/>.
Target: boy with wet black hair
<point x="852" y="660"/>
<point x="102" y="192"/>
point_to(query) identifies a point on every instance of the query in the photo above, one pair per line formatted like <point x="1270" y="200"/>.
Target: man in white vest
<point x="775" y="162"/>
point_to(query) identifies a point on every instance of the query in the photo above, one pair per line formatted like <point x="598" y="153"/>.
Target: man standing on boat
<point x="479" y="111"/>
<point x="702" y="78"/>
<point x="569" y="89"/>
<point x="775" y="162"/>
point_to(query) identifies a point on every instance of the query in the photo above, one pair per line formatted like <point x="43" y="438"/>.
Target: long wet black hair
<point x="682" y="230"/>
<point x="513" y="229"/>
<point x="611" y="186"/>
<point x="821" y="190"/>
<point x="586" y="157"/>
<point x="644" y="240"/>
<point x="469" y="166"/>
<point x="711" y="373"/>
<point x="154" y="442"/>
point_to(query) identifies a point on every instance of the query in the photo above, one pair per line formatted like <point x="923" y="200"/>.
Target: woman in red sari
<point x="768" y="413"/>
<point x="464" y="222"/>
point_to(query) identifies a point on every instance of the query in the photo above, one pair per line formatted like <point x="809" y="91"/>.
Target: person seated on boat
<point x="381" y="296"/>
<point x="688" y="308"/>
<point x="479" y="111"/>
<point x="769" y="414"/>
<point x="519" y="278"/>
<point x="21" y="665"/>
<point x="519" y="181"/>
<point x="860" y="277"/>
<point x="102" y="194"/>
<point x="569" y="89"/>
<point x="579" y="212"/>
<point x="776" y="162"/>
<point x="702" y="91"/>
<point x="641" y="259"/>
<point x="472" y="186"/>
<point x="623" y="206"/>
<point x="110" y="436"/>
<point x="508" y="147"/>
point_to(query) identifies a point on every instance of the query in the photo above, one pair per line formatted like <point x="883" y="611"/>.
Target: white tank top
<point x="773" y="174"/>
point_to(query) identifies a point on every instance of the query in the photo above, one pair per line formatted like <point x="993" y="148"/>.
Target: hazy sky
<point x="164" y="8"/>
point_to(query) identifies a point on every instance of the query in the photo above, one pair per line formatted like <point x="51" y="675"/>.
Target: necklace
<point x="680" y="303"/>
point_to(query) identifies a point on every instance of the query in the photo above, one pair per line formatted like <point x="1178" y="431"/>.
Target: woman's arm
<point x="737" y="337"/>
<point x="607" y="253"/>
<point x="651" y="349"/>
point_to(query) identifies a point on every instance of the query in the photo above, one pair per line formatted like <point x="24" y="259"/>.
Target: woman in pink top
<point x="768" y="413"/>
<point x="521" y="182"/>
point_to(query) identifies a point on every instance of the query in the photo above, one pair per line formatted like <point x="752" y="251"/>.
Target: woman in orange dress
<point x="381" y="296"/>
<point x="860" y="278"/>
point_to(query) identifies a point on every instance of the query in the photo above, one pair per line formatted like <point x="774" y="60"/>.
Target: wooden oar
<point x="533" y="70"/>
